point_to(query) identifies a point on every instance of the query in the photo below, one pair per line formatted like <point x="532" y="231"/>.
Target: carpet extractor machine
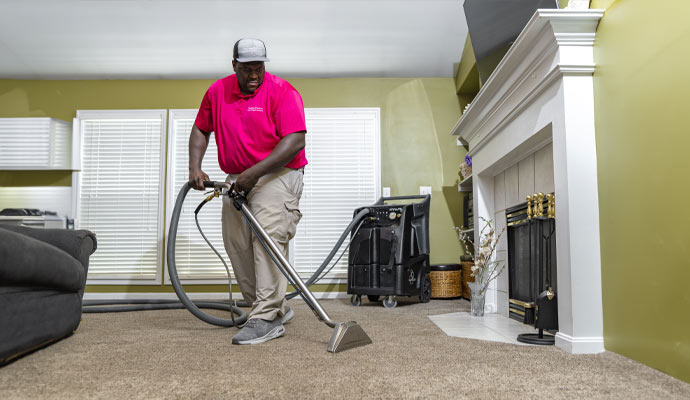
<point x="346" y="335"/>
<point x="389" y="253"/>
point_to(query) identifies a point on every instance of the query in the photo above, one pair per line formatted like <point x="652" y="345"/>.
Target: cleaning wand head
<point x="347" y="335"/>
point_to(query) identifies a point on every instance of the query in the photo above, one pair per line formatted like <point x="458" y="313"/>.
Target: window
<point x="193" y="258"/>
<point x="344" y="173"/>
<point x="120" y="194"/>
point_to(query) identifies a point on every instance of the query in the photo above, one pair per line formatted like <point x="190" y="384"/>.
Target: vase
<point x="477" y="299"/>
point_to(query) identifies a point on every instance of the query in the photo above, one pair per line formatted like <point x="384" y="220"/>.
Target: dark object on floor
<point x="42" y="278"/>
<point x="446" y="281"/>
<point x="389" y="254"/>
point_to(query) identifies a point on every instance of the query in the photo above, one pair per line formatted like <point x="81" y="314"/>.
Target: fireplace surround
<point x="539" y="102"/>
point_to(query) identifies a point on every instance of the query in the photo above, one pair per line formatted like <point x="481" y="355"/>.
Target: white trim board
<point x="580" y="345"/>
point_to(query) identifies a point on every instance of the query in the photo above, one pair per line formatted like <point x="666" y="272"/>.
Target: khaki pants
<point x="274" y="201"/>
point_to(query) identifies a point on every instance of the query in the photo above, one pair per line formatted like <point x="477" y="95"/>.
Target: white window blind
<point x="120" y="191"/>
<point x="343" y="150"/>
<point x="193" y="258"/>
<point x="35" y="143"/>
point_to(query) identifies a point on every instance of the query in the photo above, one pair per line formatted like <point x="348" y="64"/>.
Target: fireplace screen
<point x="531" y="255"/>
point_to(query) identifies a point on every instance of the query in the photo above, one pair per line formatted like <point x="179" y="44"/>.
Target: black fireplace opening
<point x="532" y="272"/>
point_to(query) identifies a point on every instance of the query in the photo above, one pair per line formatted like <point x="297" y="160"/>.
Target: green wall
<point x="416" y="118"/>
<point x="642" y="111"/>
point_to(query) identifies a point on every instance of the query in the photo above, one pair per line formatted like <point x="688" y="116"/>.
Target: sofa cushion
<point x="25" y="261"/>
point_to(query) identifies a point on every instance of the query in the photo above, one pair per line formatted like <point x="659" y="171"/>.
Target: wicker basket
<point x="446" y="281"/>
<point x="466" y="277"/>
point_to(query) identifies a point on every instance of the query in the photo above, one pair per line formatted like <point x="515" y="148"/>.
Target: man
<point x="259" y="126"/>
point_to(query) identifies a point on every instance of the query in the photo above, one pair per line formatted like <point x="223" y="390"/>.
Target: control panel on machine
<point x="385" y="214"/>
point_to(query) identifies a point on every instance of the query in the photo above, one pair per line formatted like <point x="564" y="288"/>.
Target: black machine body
<point x="389" y="254"/>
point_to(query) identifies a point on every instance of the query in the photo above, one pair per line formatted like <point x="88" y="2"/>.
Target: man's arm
<point x="198" y="142"/>
<point x="285" y="150"/>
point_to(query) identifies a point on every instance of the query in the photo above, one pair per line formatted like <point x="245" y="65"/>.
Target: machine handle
<point x="209" y="184"/>
<point x="381" y="200"/>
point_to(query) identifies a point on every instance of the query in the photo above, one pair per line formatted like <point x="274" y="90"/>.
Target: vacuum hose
<point x="195" y="307"/>
<point x="172" y="270"/>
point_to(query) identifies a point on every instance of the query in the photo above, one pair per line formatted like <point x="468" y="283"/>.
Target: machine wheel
<point x="390" y="302"/>
<point x="356" y="300"/>
<point x="425" y="292"/>
<point x="373" y="297"/>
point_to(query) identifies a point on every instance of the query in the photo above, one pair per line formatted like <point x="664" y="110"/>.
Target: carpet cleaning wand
<point x="346" y="335"/>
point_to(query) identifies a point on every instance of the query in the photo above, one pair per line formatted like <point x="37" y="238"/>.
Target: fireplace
<point x="539" y="101"/>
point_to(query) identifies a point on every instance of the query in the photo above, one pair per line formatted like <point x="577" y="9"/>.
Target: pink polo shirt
<point x="247" y="128"/>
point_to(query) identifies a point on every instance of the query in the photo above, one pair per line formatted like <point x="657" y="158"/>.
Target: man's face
<point x="250" y="75"/>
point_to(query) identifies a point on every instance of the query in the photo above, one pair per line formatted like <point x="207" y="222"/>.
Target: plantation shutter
<point x="120" y="191"/>
<point x="343" y="150"/>
<point x="193" y="258"/>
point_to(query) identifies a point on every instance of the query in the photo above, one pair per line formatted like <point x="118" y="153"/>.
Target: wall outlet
<point x="425" y="190"/>
<point x="386" y="192"/>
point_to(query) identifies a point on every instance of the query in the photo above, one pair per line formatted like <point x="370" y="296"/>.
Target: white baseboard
<point x="193" y="296"/>
<point x="580" y="345"/>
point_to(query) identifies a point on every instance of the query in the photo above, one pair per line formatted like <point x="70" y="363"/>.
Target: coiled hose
<point x="96" y="306"/>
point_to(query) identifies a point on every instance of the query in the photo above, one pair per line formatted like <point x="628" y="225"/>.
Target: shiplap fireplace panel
<point x="539" y="100"/>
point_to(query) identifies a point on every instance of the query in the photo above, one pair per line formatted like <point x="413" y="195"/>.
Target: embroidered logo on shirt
<point x="258" y="109"/>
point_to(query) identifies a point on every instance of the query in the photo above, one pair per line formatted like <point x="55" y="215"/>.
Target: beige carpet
<point x="171" y="354"/>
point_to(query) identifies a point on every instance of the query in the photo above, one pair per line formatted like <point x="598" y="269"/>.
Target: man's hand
<point x="197" y="178"/>
<point x="246" y="181"/>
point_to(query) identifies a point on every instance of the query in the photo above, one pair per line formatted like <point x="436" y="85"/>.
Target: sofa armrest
<point x="25" y="261"/>
<point x="80" y="244"/>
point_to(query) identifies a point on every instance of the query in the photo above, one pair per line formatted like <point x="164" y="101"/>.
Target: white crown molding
<point x="554" y="43"/>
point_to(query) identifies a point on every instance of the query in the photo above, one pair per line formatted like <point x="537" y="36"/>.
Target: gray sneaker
<point x="288" y="316"/>
<point x="257" y="330"/>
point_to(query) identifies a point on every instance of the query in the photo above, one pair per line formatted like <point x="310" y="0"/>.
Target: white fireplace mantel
<point x="542" y="93"/>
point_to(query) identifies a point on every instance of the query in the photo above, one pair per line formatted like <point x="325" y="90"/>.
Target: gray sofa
<point x="42" y="278"/>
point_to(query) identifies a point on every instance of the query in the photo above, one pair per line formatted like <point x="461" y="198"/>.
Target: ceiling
<point x="185" y="39"/>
